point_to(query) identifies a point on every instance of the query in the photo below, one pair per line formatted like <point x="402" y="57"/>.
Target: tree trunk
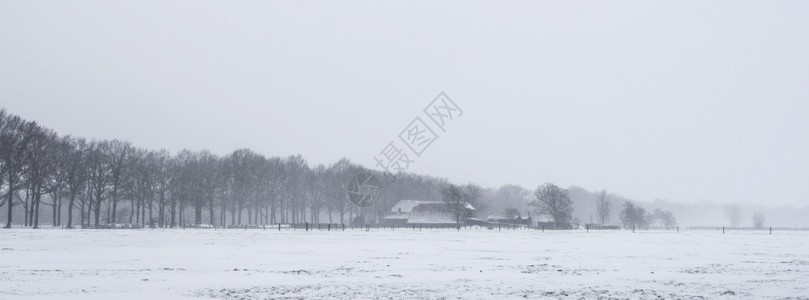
<point x="197" y="214"/>
<point x="211" y="214"/>
<point x="37" y="200"/>
<point x="97" y="208"/>
<point x="114" y="205"/>
<point x="272" y="213"/>
<point x="70" y="210"/>
<point x="81" y="214"/>
<point x="241" y="207"/>
<point x="233" y="214"/>
<point x="131" y="210"/>
<point x="10" y="201"/>
<point x="26" y="208"/>
<point x="55" y="209"/>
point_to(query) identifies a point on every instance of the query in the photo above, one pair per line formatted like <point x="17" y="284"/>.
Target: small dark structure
<point x="518" y="220"/>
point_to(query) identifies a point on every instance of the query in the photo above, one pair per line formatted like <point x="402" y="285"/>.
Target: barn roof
<point x="431" y="213"/>
<point x="407" y="206"/>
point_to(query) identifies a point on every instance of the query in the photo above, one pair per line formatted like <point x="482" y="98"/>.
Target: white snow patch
<point x="387" y="264"/>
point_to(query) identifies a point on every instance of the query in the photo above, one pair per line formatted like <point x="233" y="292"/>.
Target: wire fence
<point x="329" y="227"/>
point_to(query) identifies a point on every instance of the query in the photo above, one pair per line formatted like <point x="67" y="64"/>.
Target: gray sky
<point x="681" y="100"/>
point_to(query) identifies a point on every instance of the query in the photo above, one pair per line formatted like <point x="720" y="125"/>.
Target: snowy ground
<point x="471" y="264"/>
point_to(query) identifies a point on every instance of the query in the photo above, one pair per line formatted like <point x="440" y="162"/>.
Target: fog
<point x="699" y="102"/>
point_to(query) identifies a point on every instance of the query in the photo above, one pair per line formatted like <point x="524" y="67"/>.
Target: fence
<point x="420" y="227"/>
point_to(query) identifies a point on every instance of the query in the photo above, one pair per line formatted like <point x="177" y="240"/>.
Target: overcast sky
<point x="679" y="100"/>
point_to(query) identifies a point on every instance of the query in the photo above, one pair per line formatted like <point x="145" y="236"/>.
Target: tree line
<point x="95" y="182"/>
<point x="80" y="182"/>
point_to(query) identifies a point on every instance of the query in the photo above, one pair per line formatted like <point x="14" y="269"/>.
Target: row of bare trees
<point x="111" y="181"/>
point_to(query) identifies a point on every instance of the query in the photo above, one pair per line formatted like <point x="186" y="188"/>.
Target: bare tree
<point x="603" y="207"/>
<point x="473" y="193"/>
<point x="75" y="171"/>
<point x="15" y="138"/>
<point x="339" y="174"/>
<point x="41" y="162"/>
<point x="316" y="191"/>
<point x="160" y="163"/>
<point x="662" y="218"/>
<point x="551" y="200"/>
<point x="58" y="185"/>
<point x="633" y="216"/>
<point x="507" y="196"/>
<point x="211" y="184"/>
<point x="118" y="154"/>
<point x="734" y="214"/>
<point x="99" y="177"/>
<point x="758" y="220"/>
<point x="453" y="196"/>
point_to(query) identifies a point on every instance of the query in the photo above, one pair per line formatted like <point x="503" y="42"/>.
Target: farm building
<point x="518" y="220"/>
<point x="427" y="213"/>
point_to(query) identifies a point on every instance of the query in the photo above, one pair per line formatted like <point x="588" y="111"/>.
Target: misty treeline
<point x="74" y="181"/>
<point x="734" y="213"/>
<point x="71" y="181"/>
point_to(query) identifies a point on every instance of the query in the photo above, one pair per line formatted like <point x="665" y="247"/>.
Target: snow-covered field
<point x="471" y="264"/>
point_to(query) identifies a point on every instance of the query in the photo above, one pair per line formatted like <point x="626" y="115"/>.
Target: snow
<point x="406" y="206"/>
<point x="385" y="263"/>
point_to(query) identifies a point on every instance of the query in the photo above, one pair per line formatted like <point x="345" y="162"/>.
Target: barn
<point x="422" y="213"/>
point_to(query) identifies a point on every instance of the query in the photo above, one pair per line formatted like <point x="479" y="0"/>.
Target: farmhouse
<point x="423" y="213"/>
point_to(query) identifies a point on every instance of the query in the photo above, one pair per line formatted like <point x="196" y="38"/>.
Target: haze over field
<point x="685" y="101"/>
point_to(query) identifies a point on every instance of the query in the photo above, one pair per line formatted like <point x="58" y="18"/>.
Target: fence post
<point x="587" y="227"/>
<point x="307" y="226"/>
<point x="723" y="229"/>
<point x="633" y="228"/>
<point x="279" y="226"/>
<point x="770" y="229"/>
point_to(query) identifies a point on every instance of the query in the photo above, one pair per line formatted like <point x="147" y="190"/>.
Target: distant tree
<point x="458" y="198"/>
<point x="734" y="214"/>
<point x="633" y="216"/>
<point x="99" y="177"/>
<point x="160" y="167"/>
<point x="15" y="138"/>
<point x="551" y="200"/>
<point x="118" y="155"/>
<point x="662" y="218"/>
<point x="75" y="168"/>
<point x="511" y="213"/>
<point x="316" y="191"/>
<point x="473" y="194"/>
<point x="508" y="196"/>
<point x="41" y="161"/>
<point x="603" y="207"/>
<point x="758" y="220"/>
